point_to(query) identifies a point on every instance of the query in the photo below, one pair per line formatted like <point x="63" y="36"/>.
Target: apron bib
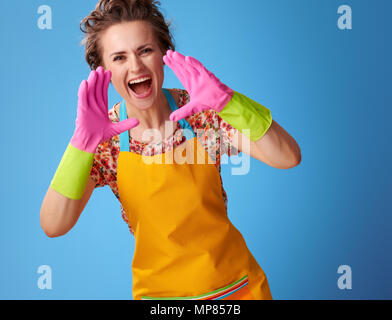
<point x="185" y="245"/>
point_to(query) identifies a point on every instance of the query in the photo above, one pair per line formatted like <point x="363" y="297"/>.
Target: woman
<point x="169" y="187"/>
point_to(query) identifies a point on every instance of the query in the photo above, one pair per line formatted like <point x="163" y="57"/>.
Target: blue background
<point x="330" y="89"/>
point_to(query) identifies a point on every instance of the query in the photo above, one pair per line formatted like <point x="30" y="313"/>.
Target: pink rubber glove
<point x="93" y="125"/>
<point x="205" y="90"/>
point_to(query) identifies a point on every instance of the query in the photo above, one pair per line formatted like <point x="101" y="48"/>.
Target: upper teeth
<point x="139" y="80"/>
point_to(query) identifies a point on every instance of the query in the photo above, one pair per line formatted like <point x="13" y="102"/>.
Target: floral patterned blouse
<point x="211" y="130"/>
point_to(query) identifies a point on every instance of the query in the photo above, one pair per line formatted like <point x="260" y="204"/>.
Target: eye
<point x="146" y="50"/>
<point x="118" y="58"/>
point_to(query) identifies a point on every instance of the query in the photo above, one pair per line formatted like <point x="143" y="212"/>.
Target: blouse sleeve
<point x="98" y="170"/>
<point x="104" y="168"/>
<point x="227" y="133"/>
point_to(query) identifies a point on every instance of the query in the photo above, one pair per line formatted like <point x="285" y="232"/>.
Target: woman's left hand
<point x="205" y="90"/>
<point x="277" y="148"/>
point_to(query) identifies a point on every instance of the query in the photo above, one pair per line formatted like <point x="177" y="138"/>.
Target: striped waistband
<point x="213" y="295"/>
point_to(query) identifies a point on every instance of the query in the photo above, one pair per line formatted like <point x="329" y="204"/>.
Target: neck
<point x="153" y="117"/>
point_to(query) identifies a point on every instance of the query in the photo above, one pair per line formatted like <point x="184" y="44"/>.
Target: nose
<point x="135" y="64"/>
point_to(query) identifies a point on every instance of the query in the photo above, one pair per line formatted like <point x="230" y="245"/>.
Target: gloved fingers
<point x="179" y="114"/>
<point x="189" y="64"/>
<point x="82" y="95"/>
<point x="169" y="62"/>
<point x="95" y="97"/>
<point x="178" y="70"/>
<point x="182" y="62"/>
<point x="108" y="76"/>
<point x="190" y="68"/>
<point x="99" y="87"/>
<point x="199" y="67"/>
<point x="177" y="56"/>
<point x="188" y="110"/>
<point x="196" y="64"/>
<point x="102" y="92"/>
<point x="124" y="125"/>
<point x="176" y="67"/>
<point x="92" y="80"/>
<point x="178" y="61"/>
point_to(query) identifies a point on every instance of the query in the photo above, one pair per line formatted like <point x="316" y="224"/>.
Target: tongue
<point x="141" y="87"/>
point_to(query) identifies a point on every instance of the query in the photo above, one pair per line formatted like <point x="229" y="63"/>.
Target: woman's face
<point x="130" y="51"/>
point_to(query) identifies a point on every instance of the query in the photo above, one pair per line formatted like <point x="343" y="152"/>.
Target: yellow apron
<point x="185" y="245"/>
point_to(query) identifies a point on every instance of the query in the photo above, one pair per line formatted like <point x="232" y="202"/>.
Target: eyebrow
<point x="139" y="48"/>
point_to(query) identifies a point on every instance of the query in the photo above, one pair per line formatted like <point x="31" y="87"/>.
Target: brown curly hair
<point x="111" y="12"/>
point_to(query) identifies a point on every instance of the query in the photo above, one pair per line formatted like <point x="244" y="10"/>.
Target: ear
<point x="163" y="54"/>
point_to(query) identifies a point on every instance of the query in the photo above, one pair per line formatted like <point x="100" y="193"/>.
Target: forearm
<point x="59" y="214"/>
<point x="277" y="148"/>
<point x="268" y="141"/>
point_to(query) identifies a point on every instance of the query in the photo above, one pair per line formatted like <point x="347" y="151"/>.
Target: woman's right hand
<point x="92" y="125"/>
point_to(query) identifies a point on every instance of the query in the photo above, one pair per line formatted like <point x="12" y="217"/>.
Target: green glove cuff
<point x="242" y="113"/>
<point x="73" y="172"/>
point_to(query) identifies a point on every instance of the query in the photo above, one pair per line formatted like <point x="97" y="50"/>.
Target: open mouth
<point x="141" y="86"/>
